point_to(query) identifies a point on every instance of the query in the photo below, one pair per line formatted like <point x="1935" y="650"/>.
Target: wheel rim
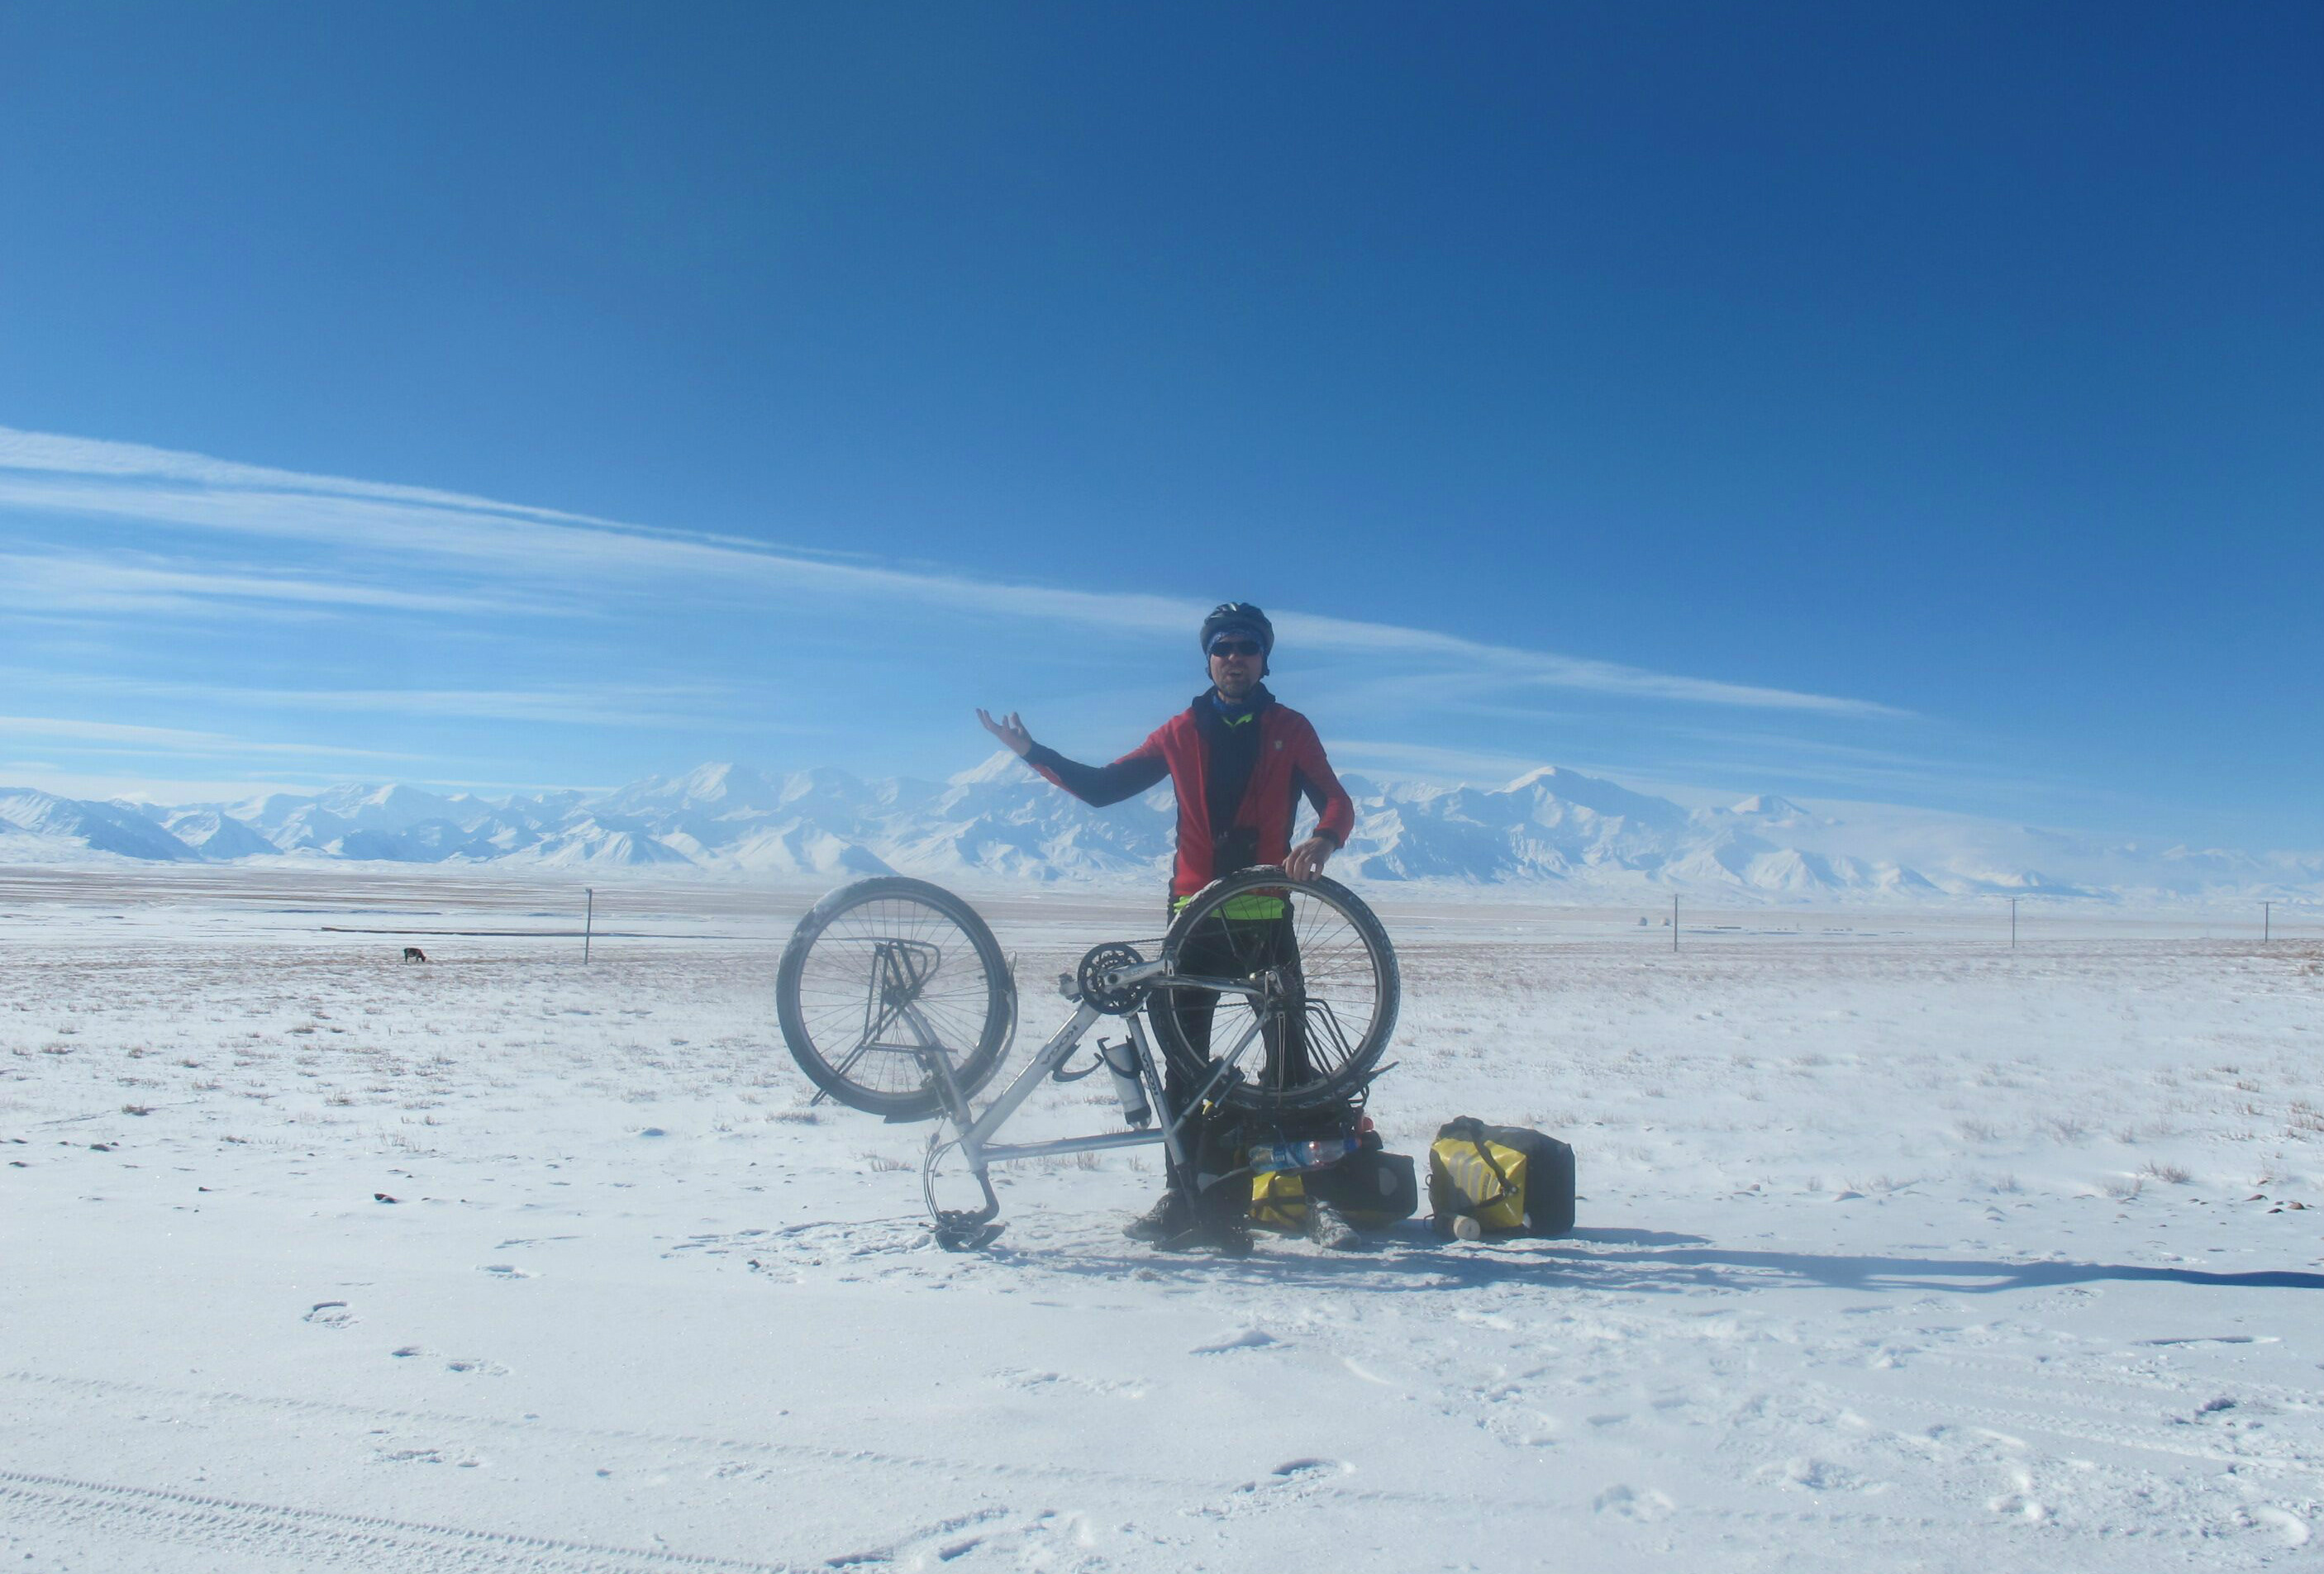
<point x="1329" y="980"/>
<point x="884" y="979"/>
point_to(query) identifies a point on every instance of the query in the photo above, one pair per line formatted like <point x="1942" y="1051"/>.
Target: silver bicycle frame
<point x="975" y="1131"/>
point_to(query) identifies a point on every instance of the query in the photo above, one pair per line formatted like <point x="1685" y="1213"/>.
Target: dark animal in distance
<point x="413" y="953"/>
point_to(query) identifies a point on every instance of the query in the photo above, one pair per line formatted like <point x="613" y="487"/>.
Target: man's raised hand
<point x="1008" y="728"/>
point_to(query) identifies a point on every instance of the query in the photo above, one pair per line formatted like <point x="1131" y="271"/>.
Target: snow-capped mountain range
<point x="1551" y="829"/>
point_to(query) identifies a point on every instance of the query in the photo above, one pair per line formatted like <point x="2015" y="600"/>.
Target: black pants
<point x="1236" y="948"/>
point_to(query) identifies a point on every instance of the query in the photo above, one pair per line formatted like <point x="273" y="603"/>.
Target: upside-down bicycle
<point x="1270" y="997"/>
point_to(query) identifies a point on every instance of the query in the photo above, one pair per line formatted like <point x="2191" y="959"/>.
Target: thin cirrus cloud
<point x="553" y="559"/>
<point x="1429" y="761"/>
<point x="1824" y="764"/>
<point x="611" y="704"/>
<point x="116" y="737"/>
<point x="84" y="583"/>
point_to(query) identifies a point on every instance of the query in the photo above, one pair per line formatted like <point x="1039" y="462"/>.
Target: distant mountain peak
<point x="708" y="781"/>
<point x="1771" y="812"/>
<point x="1001" y="765"/>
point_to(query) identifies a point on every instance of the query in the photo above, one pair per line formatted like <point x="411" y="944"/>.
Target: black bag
<point x="1372" y="1188"/>
<point x="1510" y="1179"/>
<point x="1369" y="1186"/>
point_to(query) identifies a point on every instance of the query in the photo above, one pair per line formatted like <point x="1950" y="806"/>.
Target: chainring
<point x="1096" y="992"/>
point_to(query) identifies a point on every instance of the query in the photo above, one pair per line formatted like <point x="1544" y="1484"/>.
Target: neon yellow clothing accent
<point x="1250" y="907"/>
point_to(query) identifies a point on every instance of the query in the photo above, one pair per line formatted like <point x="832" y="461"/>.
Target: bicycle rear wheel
<point x="880" y="971"/>
<point x="1316" y="997"/>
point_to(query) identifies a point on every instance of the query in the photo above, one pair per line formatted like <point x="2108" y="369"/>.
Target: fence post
<point x="589" y="922"/>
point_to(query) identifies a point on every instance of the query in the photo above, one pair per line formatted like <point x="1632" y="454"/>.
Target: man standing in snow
<point x="1240" y="763"/>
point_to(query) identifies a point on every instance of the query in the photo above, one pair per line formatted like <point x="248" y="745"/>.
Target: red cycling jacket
<point x="1193" y="747"/>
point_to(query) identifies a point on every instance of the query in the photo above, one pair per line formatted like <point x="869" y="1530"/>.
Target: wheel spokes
<point x="1316" y="982"/>
<point x="881" y="985"/>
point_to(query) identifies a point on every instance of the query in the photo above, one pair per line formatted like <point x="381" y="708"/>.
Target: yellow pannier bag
<point x="1510" y="1180"/>
<point x="1278" y="1200"/>
<point x="1482" y="1180"/>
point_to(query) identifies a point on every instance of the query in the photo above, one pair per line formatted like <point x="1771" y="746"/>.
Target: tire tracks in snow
<point x="324" y="1538"/>
<point x="1983" y="1397"/>
<point x="1044" y="1473"/>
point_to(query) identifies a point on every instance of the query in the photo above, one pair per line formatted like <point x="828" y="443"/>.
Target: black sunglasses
<point x="1234" y="646"/>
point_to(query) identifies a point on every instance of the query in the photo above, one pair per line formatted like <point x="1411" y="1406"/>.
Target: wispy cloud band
<point x="88" y="581"/>
<point x="542" y="553"/>
<point x="121" y="737"/>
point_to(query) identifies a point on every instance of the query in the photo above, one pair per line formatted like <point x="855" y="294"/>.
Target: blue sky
<point x="1917" y="404"/>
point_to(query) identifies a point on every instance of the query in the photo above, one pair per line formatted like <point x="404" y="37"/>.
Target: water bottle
<point x="1121" y="1060"/>
<point x="1269" y="1157"/>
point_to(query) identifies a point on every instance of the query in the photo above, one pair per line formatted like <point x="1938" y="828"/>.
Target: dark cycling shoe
<point x="1223" y="1233"/>
<point x="1167" y="1218"/>
<point x="1328" y="1227"/>
<point x="1174" y="1227"/>
<point x="1220" y="1223"/>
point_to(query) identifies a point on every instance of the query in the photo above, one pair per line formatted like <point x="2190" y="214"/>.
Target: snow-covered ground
<point x="1898" y="1250"/>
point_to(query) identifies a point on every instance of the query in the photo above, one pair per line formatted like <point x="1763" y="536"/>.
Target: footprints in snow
<point x="2286" y="1523"/>
<point x="336" y="1314"/>
<point x="1285" y="1485"/>
<point x="1630" y="1503"/>
<point x="877" y="1248"/>
<point x="1809" y="1474"/>
<point x="421" y="1457"/>
<point x="992" y="1538"/>
<point x="1239" y="1341"/>
<point x="473" y="1366"/>
<point x="1026" y="1382"/>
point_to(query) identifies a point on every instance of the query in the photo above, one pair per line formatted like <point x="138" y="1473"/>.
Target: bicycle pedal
<point x="966" y="1237"/>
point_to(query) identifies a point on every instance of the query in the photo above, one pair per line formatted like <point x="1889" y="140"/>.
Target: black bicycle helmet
<point x="1238" y="617"/>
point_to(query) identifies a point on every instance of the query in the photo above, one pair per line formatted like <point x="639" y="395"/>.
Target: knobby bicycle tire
<point x="1345" y="995"/>
<point x="883" y="964"/>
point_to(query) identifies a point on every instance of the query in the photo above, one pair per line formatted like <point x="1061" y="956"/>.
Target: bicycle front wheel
<point x="881" y="971"/>
<point x="1302" y="995"/>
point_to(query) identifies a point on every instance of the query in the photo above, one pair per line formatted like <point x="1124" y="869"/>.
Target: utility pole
<point x="589" y="922"/>
<point x="2266" y="921"/>
<point x="1673" y="921"/>
<point x="2013" y="923"/>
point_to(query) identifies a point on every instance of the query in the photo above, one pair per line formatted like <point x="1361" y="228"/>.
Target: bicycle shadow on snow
<point x="1645" y="1261"/>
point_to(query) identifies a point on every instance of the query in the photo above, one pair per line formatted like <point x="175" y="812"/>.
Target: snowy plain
<point x="1898" y="1250"/>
